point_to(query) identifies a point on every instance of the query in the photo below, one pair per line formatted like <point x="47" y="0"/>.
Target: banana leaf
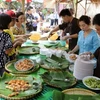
<point x="55" y="46"/>
<point x="50" y="44"/>
<point x="57" y="79"/>
<point x="58" y="58"/>
<point x="55" y="63"/>
<point x="28" y="50"/>
<point x="32" y="91"/>
<point x="10" y="68"/>
<point x="58" y="95"/>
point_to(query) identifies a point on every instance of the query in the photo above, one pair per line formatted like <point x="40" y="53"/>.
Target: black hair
<point x="85" y="19"/>
<point x="29" y="8"/>
<point x="71" y="10"/>
<point x="96" y="19"/>
<point x="4" y="21"/>
<point x="65" y="12"/>
<point x="18" y="14"/>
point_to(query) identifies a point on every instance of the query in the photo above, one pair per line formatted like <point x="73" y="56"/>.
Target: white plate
<point x="15" y="65"/>
<point x="71" y="68"/>
<point x="70" y="60"/>
<point x="30" y="41"/>
<point x="89" y="77"/>
<point x="50" y="41"/>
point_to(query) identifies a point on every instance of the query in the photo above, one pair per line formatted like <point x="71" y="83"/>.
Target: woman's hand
<point x="18" y="42"/>
<point x="8" y="51"/>
<point x="87" y="54"/>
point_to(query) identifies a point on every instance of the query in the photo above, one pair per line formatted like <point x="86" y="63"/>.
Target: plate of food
<point x="24" y="65"/>
<point x="19" y="87"/>
<point x="72" y="58"/>
<point x="92" y="82"/>
<point x="35" y="37"/>
<point x="10" y="67"/>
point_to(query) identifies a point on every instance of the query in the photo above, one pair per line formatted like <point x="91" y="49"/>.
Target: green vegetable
<point x="92" y="83"/>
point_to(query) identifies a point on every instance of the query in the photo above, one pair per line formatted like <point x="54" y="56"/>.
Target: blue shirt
<point x="89" y="43"/>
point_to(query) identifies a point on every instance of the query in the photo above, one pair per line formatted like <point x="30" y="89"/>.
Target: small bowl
<point x="19" y="61"/>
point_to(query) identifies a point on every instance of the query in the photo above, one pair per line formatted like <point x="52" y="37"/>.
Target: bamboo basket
<point x="78" y="91"/>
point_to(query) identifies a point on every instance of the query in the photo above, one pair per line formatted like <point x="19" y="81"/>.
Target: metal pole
<point x="23" y="5"/>
<point x="85" y="6"/>
<point x="76" y="6"/>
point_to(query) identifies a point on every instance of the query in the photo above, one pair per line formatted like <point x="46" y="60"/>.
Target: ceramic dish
<point x="70" y="59"/>
<point x="10" y="68"/>
<point x="24" y="65"/>
<point x="92" y="82"/>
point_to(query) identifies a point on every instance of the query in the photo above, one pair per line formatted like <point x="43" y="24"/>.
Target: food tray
<point x="10" y="68"/>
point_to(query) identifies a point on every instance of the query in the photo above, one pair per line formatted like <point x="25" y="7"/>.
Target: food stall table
<point x="47" y="91"/>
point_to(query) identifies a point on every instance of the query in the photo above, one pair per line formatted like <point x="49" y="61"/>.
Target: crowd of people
<point x="82" y="38"/>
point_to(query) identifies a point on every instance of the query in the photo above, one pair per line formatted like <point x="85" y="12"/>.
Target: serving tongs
<point x="65" y="80"/>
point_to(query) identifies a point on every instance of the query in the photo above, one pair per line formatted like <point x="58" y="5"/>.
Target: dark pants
<point x="34" y="28"/>
<point x="2" y="71"/>
<point x="56" y="21"/>
<point x="97" y="71"/>
<point x="29" y="27"/>
<point x="52" y="22"/>
<point x="12" y="57"/>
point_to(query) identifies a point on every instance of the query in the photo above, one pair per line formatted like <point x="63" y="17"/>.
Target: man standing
<point x="29" y="19"/>
<point x="52" y="19"/>
<point x="69" y="25"/>
<point x="36" y="19"/>
<point x="96" y="23"/>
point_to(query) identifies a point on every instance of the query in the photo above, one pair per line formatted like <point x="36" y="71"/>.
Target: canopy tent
<point x="41" y="1"/>
<point x="55" y="4"/>
<point x="49" y="3"/>
<point x="17" y="0"/>
<point x="87" y="7"/>
<point x="52" y="3"/>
